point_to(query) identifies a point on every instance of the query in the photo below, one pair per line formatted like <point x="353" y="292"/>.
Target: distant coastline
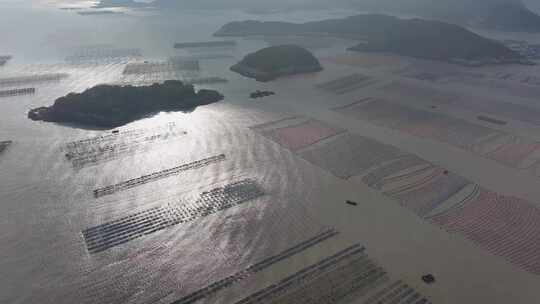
<point x="504" y="15"/>
<point x="425" y="39"/>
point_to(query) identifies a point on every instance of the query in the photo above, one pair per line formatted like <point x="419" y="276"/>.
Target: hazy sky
<point x="424" y="6"/>
<point x="413" y="6"/>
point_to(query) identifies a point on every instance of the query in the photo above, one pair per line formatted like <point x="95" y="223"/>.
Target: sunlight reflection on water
<point x="47" y="202"/>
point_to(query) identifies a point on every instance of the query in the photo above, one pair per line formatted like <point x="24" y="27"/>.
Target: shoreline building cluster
<point x="157" y="176"/>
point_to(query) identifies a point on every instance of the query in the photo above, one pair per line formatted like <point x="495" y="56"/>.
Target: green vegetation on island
<point x="418" y="38"/>
<point x="110" y="106"/>
<point x="276" y="61"/>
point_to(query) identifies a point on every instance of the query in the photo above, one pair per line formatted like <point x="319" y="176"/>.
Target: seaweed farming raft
<point x="491" y="120"/>
<point x="100" y="53"/>
<point x="160" y="67"/>
<point x="22" y="80"/>
<point x="157" y="176"/>
<point x="297" y="133"/>
<point x="208" y="44"/>
<point x="340" y="278"/>
<point x="347" y="84"/>
<point x="205" y="80"/>
<point x="190" y="64"/>
<point x="94" y="155"/>
<point x="207" y="56"/>
<point x="115" y="135"/>
<point x="17" y="92"/>
<point x="255" y="268"/>
<point x="146" y="222"/>
<point x="503" y="225"/>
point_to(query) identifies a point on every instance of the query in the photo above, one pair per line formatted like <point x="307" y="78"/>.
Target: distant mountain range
<point x="510" y="15"/>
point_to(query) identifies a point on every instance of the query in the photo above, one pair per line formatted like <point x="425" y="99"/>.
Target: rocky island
<point x="276" y="61"/>
<point x="426" y="39"/>
<point x="109" y="106"/>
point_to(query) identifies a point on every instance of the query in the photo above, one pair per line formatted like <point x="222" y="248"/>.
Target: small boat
<point x="428" y="279"/>
<point x="351" y="203"/>
<point x="259" y="94"/>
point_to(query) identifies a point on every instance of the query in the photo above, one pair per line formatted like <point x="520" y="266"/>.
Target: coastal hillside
<point x="512" y="17"/>
<point x="505" y="15"/>
<point x="380" y="33"/>
<point x="109" y="106"/>
<point x="276" y="61"/>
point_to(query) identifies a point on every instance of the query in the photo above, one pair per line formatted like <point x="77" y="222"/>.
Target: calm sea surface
<point x="45" y="202"/>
